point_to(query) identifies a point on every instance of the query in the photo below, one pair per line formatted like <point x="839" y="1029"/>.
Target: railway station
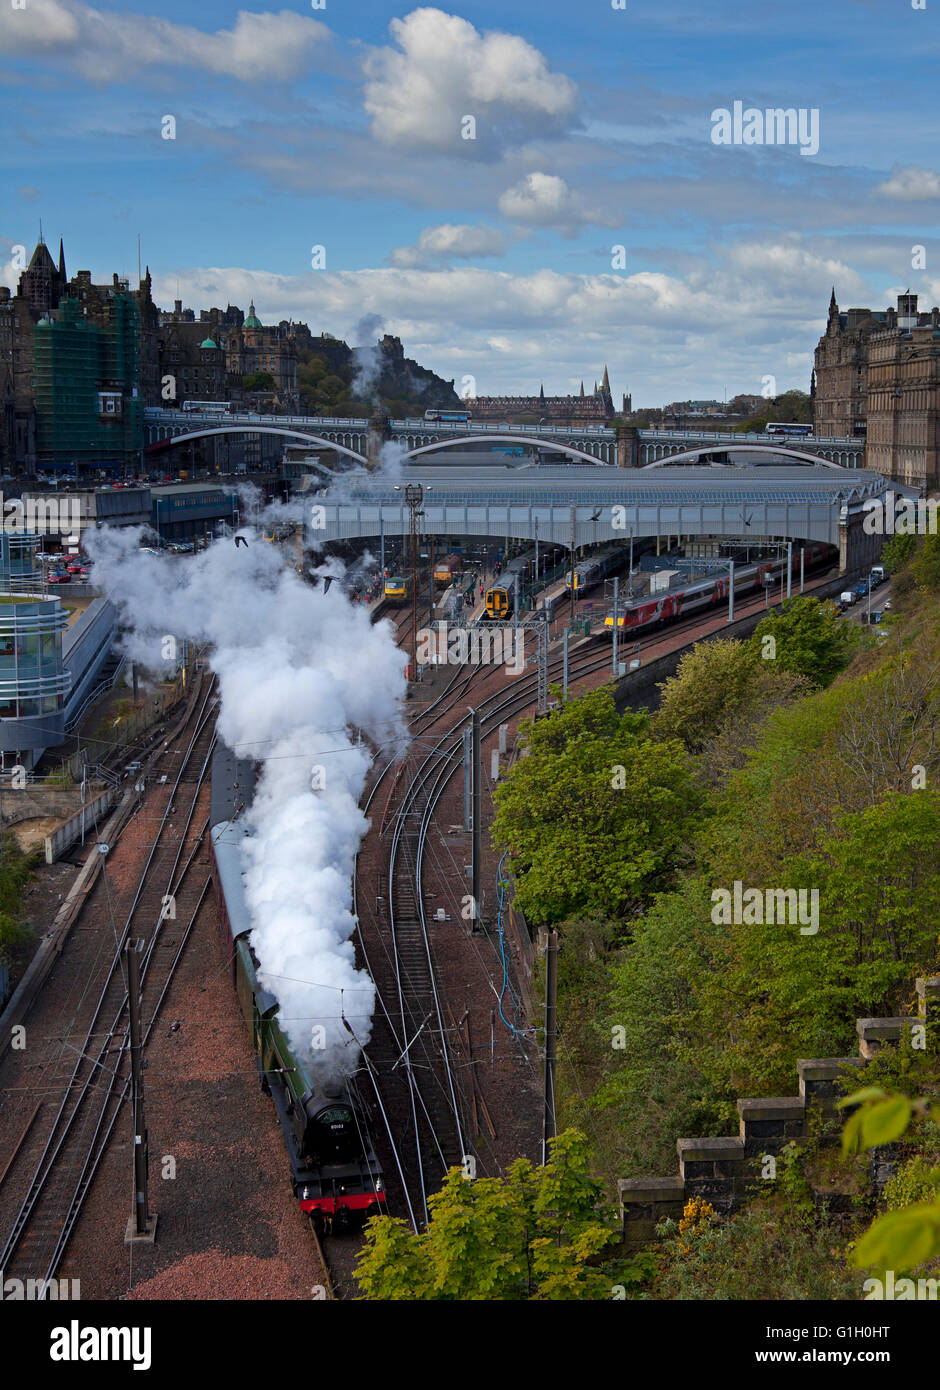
<point x="586" y="506"/>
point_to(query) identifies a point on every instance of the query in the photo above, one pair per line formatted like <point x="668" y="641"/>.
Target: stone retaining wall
<point x="723" y="1170"/>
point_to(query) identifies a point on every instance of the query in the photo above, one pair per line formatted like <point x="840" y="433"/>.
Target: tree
<point x="258" y="381"/>
<point x="721" y="688"/>
<point x="809" y="639"/>
<point x="535" y="1234"/>
<point x="596" y="814"/>
<point x="792" y="407"/>
<point x="777" y="992"/>
<point x="925" y="565"/>
<point x="711" y="679"/>
<point x="897" y="551"/>
<point x="650" y="1087"/>
<point x="16" y="869"/>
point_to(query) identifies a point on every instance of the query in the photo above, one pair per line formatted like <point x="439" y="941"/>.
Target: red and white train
<point x="700" y="594"/>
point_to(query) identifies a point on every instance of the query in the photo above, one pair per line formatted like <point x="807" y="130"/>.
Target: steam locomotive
<point x="335" y="1174"/>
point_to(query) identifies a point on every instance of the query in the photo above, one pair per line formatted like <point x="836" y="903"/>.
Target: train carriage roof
<point x="227" y="839"/>
<point x="233" y="784"/>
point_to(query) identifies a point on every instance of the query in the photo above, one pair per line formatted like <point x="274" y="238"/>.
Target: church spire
<point x="62" y="275"/>
<point x="606" y="381"/>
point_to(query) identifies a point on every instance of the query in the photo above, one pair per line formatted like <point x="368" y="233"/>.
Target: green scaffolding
<point x="74" y="359"/>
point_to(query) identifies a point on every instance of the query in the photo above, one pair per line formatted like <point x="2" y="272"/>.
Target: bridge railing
<point x="156" y="414"/>
<point x="848" y="442"/>
<point x="494" y="427"/>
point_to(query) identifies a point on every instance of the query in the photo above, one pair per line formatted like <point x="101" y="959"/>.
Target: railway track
<point x="423" y="1101"/>
<point x="426" y="1121"/>
<point x="93" y="1097"/>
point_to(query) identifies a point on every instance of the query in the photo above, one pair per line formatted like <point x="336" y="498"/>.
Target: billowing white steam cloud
<point x="299" y="670"/>
<point x="367" y="357"/>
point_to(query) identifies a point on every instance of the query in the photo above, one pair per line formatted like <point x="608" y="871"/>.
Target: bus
<point x="788" y="429"/>
<point x="208" y="407"/>
<point x="459" y="417"/>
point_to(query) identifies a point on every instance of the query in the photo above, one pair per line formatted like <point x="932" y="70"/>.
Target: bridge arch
<point x="691" y="455"/>
<point x="307" y="438"/>
<point x="508" y="439"/>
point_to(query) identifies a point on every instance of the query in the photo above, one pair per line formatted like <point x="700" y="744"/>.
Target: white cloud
<point x="443" y="69"/>
<point x="105" y="46"/>
<point x="725" y="321"/>
<point x="449" y="242"/>
<point x="912" y="184"/>
<point x="545" y="200"/>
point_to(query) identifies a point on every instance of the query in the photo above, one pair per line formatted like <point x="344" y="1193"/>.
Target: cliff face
<point x="336" y="378"/>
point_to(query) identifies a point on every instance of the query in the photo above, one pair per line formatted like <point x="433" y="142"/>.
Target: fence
<point x="77" y="827"/>
<point x="127" y="730"/>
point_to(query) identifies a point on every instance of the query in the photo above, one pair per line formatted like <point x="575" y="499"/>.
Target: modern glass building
<point x="19" y="564"/>
<point x="33" y="683"/>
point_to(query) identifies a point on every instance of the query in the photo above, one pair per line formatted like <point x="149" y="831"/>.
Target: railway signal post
<point x="142" y="1225"/>
<point x="730" y="591"/>
<point x="549" y="1129"/>
<point x="571" y="614"/>
<point x="615" y="651"/>
<point x="414" y="496"/>
<point x="789" y="567"/>
<point x="475" y="839"/>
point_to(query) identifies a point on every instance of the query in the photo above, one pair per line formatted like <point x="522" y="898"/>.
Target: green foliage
<point x="792" y="407"/>
<point x="915" y="1181"/>
<point x="901" y="1239"/>
<point x="768" y="1251"/>
<point x="722" y="691"/>
<point x="909" y="1233"/>
<point x="258" y="381"/>
<point x="596" y="814"/>
<point x="16" y="870"/>
<point x="897" y="551"/>
<point x="536" y="1234"/>
<point x="925" y="565"/>
<point x="645" y="1054"/>
<point x="811" y="640"/>
<point x="881" y="1122"/>
<point x="711" y="679"/>
<point x="775" y="994"/>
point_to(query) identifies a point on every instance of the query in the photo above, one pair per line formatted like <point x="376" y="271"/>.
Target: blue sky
<point x="491" y="257"/>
